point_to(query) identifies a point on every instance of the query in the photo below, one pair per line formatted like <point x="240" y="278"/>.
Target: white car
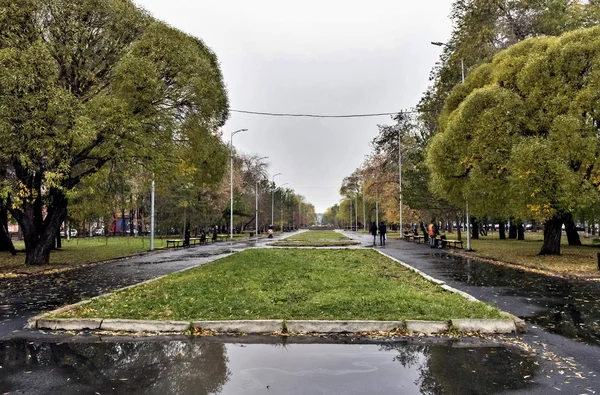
<point x="99" y="232"/>
<point x="72" y="233"/>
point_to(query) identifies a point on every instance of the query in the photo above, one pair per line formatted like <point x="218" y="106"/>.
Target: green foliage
<point x="87" y="83"/>
<point x="525" y="144"/>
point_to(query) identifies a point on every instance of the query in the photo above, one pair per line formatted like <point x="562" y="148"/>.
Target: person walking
<point x="432" y="234"/>
<point x="215" y="230"/>
<point x="373" y="230"/>
<point x="382" y="233"/>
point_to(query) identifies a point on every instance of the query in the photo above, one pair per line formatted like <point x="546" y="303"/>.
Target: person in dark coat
<point x="382" y="233"/>
<point x="215" y="232"/>
<point x="373" y="230"/>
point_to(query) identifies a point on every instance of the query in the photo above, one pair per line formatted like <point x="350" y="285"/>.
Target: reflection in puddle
<point x="194" y="367"/>
<point x="566" y="307"/>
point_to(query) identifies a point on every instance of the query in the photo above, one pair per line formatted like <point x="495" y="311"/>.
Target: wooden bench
<point x="175" y="242"/>
<point x="417" y="239"/>
<point x="181" y="242"/>
<point x="454" y="243"/>
<point x="407" y="237"/>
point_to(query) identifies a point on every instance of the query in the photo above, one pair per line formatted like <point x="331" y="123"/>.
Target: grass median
<point x="289" y="284"/>
<point x="316" y="238"/>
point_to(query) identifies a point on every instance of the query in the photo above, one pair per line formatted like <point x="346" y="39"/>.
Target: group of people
<point x="382" y="232"/>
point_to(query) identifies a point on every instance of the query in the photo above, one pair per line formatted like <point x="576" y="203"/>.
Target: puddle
<point x="193" y="367"/>
<point x="566" y="307"/>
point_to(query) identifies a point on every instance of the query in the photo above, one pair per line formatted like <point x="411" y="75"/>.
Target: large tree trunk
<point x="502" y="230"/>
<point x="474" y="228"/>
<point x="520" y="232"/>
<point x="512" y="231"/>
<point x="6" y="243"/>
<point x="39" y="230"/>
<point x="131" y="231"/>
<point x="571" y="230"/>
<point x="458" y="229"/>
<point x="552" y="235"/>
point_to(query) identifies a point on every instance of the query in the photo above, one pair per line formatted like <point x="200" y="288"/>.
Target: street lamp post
<point x="231" y="183"/>
<point x="256" y="213"/>
<point x="273" y="200"/>
<point x="462" y="67"/>
<point x="400" y="176"/>
<point x="281" y="186"/>
<point x="152" y="216"/>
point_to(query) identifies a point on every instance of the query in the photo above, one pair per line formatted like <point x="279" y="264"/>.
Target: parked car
<point x="72" y="233"/>
<point x="98" y="232"/>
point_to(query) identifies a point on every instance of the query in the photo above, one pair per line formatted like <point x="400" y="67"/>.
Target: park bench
<point x="418" y="239"/>
<point x="407" y="236"/>
<point x="175" y="242"/>
<point x="220" y="238"/>
<point x="454" y="243"/>
<point x="181" y="242"/>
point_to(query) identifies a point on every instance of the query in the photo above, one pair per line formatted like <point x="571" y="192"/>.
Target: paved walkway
<point x="563" y="315"/>
<point x="24" y="297"/>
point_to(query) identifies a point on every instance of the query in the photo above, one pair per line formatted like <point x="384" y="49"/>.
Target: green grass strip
<point x="290" y="284"/>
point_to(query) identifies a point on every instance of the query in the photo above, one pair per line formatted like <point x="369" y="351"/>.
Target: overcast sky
<point x="318" y="57"/>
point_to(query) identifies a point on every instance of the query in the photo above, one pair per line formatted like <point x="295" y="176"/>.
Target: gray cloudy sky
<point x="319" y="57"/>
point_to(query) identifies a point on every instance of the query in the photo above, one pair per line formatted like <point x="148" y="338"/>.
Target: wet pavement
<point x="196" y="366"/>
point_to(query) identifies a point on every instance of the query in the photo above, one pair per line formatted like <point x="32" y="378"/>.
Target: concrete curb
<point x="422" y="274"/>
<point x="433" y="280"/>
<point x="144" y="326"/>
<point x="343" y="326"/>
<point x="244" y="326"/>
<point x="427" y="327"/>
<point x="485" y="326"/>
<point x="69" y="324"/>
<point x="280" y="326"/>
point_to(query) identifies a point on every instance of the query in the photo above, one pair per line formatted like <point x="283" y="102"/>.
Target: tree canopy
<point x="87" y="83"/>
<point x="521" y="135"/>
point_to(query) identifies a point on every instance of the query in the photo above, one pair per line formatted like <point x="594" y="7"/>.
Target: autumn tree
<point x="85" y="83"/>
<point x="521" y="135"/>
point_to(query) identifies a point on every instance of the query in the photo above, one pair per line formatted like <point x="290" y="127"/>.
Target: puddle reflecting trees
<point x="192" y="367"/>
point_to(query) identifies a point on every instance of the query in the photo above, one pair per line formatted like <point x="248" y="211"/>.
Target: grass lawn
<point x="316" y="238"/>
<point x="317" y="235"/>
<point x="579" y="261"/>
<point x="290" y="284"/>
<point x="80" y="250"/>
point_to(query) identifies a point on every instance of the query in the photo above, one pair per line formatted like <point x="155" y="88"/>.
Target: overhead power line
<point x="275" y="114"/>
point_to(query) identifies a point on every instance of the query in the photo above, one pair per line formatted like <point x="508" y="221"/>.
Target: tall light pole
<point x="281" y="186"/>
<point x="462" y="67"/>
<point x="364" y="210"/>
<point x="231" y="184"/>
<point x="256" y="214"/>
<point x="356" y="210"/>
<point x="400" y="176"/>
<point x="273" y="200"/>
<point x="152" y="216"/>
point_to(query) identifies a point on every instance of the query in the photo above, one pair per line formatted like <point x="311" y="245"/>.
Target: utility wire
<point x="274" y="114"/>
